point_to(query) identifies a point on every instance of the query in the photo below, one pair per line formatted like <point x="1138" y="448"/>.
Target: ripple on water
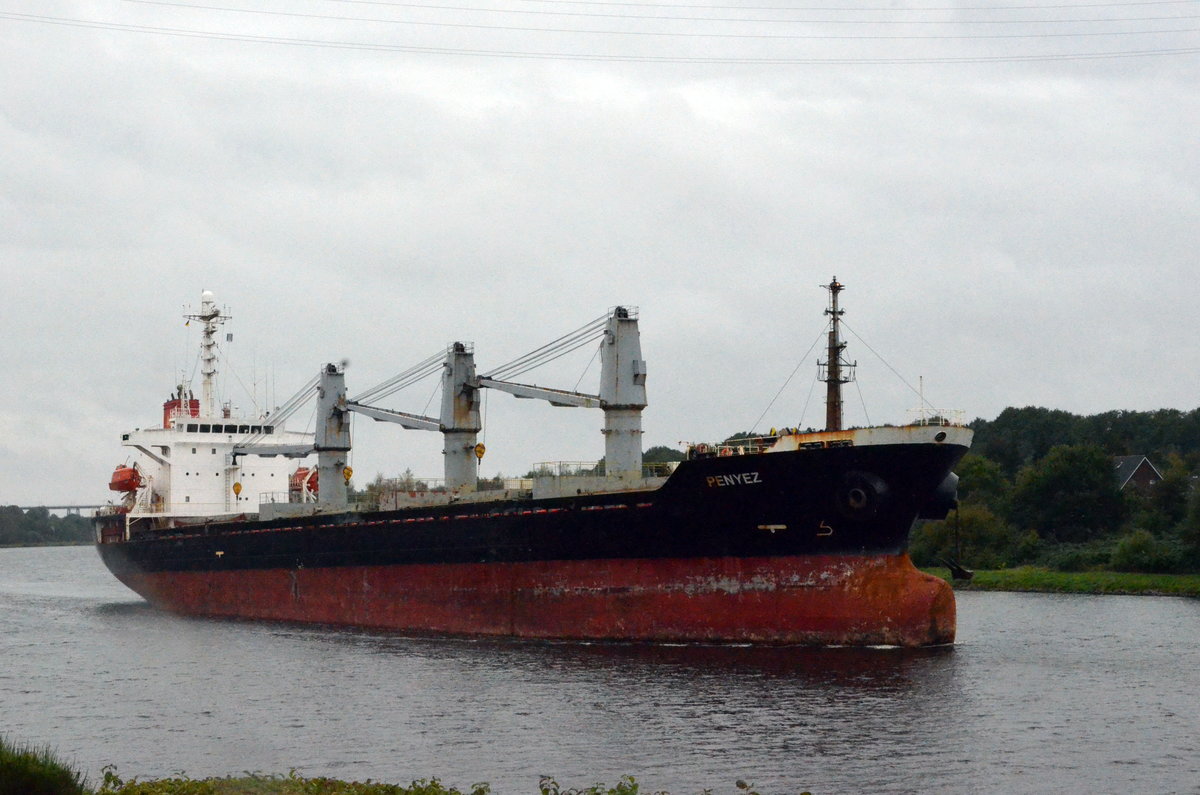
<point x="1042" y="693"/>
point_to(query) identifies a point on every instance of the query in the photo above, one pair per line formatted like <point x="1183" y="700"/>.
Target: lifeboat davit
<point x="303" y="480"/>
<point x="125" y="479"/>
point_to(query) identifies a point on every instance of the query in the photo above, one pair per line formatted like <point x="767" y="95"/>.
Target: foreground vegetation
<point x="27" y="770"/>
<point x="276" y="785"/>
<point x="32" y="770"/>
<point x="1033" y="578"/>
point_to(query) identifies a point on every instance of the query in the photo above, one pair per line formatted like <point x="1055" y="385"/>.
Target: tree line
<point x="1039" y="487"/>
<point x="39" y="526"/>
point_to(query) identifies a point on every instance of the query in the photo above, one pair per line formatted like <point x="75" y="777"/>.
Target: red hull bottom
<point x="824" y="600"/>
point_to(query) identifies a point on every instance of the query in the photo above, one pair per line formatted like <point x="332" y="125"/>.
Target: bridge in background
<point x="78" y="510"/>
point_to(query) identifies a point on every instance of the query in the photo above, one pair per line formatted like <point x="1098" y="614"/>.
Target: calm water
<point x="1042" y="693"/>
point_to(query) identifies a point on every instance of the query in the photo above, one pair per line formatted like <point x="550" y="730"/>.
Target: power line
<point x="888" y="9"/>
<point x="595" y="57"/>
<point x="761" y="20"/>
<point x="671" y="34"/>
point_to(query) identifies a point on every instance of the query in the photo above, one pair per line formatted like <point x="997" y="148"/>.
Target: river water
<point x="1040" y="694"/>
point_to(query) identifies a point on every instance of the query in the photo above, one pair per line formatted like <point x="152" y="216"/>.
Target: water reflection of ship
<point x="789" y="538"/>
<point x="847" y="666"/>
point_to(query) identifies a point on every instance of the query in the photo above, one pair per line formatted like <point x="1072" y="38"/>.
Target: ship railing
<point x="294" y="496"/>
<point x="746" y="445"/>
<point x="932" y="416"/>
<point x="499" y="483"/>
<point x="188" y="509"/>
<point x="417" y="485"/>
<point x="413" y="485"/>
<point x="567" y="469"/>
<point x="592" y="469"/>
<point x="274" y="497"/>
<point x="181" y="412"/>
<point x="659" y="469"/>
<point x="749" y="446"/>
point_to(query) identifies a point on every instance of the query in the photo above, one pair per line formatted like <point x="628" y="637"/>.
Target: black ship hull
<point x="803" y="546"/>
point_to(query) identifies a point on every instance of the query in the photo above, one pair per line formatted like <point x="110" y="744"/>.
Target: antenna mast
<point x="835" y="370"/>
<point x="211" y="317"/>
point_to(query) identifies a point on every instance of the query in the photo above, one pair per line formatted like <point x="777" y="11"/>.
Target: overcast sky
<point x="1016" y="224"/>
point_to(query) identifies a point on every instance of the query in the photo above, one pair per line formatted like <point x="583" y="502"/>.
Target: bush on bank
<point x="30" y="770"/>
<point x="25" y="770"/>
<point x="290" y="784"/>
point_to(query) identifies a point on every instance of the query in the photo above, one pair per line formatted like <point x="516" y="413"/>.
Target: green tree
<point x="973" y="535"/>
<point x="982" y="481"/>
<point x="39" y="526"/>
<point x="1019" y="437"/>
<point x="1170" y="495"/>
<point x="1140" y="551"/>
<point x="1189" y="530"/>
<point x="661" y="454"/>
<point x="1070" y="495"/>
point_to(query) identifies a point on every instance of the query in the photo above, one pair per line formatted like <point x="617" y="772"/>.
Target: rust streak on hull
<point x="812" y="599"/>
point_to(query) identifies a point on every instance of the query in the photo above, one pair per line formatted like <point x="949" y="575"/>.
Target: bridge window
<point x="255" y="429"/>
<point x="269" y="429"/>
<point x="214" y="451"/>
<point x="243" y="429"/>
<point x="205" y="428"/>
<point x="230" y="429"/>
<point x="192" y="427"/>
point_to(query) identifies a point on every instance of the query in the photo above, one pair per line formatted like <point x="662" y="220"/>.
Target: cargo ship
<point x="789" y="537"/>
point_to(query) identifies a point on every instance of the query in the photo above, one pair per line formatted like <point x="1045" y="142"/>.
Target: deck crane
<point x="331" y="440"/>
<point x="622" y="397"/>
<point x="622" y="385"/>
<point x="459" y="421"/>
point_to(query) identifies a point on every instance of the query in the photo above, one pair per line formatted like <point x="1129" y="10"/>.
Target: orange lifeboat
<point x="125" y="479"/>
<point x="303" y="479"/>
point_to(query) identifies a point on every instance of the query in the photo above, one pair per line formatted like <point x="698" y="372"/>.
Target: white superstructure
<point x="186" y="469"/>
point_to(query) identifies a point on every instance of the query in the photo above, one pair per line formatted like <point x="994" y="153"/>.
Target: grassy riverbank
<point x="296" y="785"/>
<point x="286" y="785"/>
<point x="32" y="770"/>
<point x="1032" y="578"/>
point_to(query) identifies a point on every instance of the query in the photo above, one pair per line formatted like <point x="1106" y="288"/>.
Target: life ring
<point x="861" y="495"/>
<point x="725" y="451"/>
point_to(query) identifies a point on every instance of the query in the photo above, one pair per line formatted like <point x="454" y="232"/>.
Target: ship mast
<point x="211" y="317"/>
<point x="835" y="370"/>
